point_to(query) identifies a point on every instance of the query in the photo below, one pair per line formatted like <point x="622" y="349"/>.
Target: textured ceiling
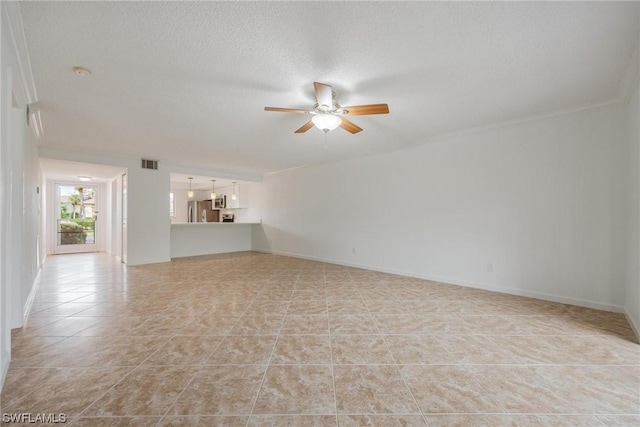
<point x="60" y="170"/>
<point x="186" y="82"/>
<point x="202" y="182"/>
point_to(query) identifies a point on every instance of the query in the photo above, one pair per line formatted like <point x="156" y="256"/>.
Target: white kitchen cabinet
<point x="241" y="198"/>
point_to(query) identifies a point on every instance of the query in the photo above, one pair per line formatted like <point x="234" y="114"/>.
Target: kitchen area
<point x="208" y="210"/>
<point x="210" y="215"/>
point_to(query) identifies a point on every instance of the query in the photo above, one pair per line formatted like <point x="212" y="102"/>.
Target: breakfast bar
<point x="206" y="238"/>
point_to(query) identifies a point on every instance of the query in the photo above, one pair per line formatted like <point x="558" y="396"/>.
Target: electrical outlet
<point x="490" y="268"/>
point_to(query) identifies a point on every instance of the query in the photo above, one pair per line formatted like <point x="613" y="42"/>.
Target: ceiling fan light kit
<point x="328" y="114"/>
<point x="326" y="122"/>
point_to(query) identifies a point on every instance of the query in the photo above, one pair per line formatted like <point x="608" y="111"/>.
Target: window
<point x="172" y="206"/>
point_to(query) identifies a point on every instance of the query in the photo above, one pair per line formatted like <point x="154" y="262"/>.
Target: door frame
<point x="124" y="206"/>
<point x="57" y="249"/>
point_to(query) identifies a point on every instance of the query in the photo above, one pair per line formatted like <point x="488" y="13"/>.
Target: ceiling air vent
<point x="149" y="164"/>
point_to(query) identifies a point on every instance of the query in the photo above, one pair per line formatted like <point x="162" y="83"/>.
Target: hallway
<point x="258" y="339"/>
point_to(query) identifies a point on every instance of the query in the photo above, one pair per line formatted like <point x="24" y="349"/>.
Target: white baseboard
<point x="6" y="360"/>
<point x="32" y="294"/>
<point x="533" y="294"/>
<point x="632" y="322"/>
<point x="469" y="284"/>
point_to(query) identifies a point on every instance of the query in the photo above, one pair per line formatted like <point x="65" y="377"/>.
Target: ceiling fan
<point x="328" y="114"/>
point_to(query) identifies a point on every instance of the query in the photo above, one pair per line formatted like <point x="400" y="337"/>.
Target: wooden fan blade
<point x="286" y="110"/>
<point x="323" y="95"/>
<point x="305" y="127"/>
<point x="349" y="126"/>
<point x="361" y="110"/>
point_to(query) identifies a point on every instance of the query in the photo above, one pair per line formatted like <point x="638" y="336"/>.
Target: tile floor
<point x="253" y="339"/>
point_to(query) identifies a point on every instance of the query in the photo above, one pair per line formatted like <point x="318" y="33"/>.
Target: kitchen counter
<point x="205" y="238"/>
<point x="211" y="223"/>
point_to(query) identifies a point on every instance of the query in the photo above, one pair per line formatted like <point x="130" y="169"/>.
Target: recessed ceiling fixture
<point x="81" y="71"/>
<point x="190" y="192"/>
<point x="328" y="114"/>
<point x="233" y="195"/>
<point x="84" y="178"/>
<point x="213" y="189"/>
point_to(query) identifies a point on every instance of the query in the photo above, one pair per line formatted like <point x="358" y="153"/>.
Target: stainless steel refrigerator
<point x="202" y="211"/>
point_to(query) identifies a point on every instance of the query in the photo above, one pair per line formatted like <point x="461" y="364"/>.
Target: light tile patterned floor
<point x="253" y="339"/>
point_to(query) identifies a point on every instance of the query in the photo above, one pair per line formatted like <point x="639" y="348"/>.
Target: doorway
<point x="76" y="218"/>
<point x="125" y="184"/>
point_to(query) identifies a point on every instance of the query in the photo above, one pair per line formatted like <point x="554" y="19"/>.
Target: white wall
<point x="5" y="103"/>
<point x="31" y="210"/>
<point x="115" y="217"/>
<point x="148" y="239"/>
<point x="539" y="203"/>
<point x="106" y="216"/>
<point x="19" y="202"/>
<point x="15" y="253"/>
<point x="181" y="204"/>
<point x="205" y="239"/>
<point x="632" y="279"/>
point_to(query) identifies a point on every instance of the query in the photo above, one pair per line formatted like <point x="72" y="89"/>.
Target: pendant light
<point x="190" y="192"/>
<point x="213" y="189"/>
<point x="233" y="195"/>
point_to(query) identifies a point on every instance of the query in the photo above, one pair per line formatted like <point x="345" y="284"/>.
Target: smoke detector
<point x="81" y="71"/>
